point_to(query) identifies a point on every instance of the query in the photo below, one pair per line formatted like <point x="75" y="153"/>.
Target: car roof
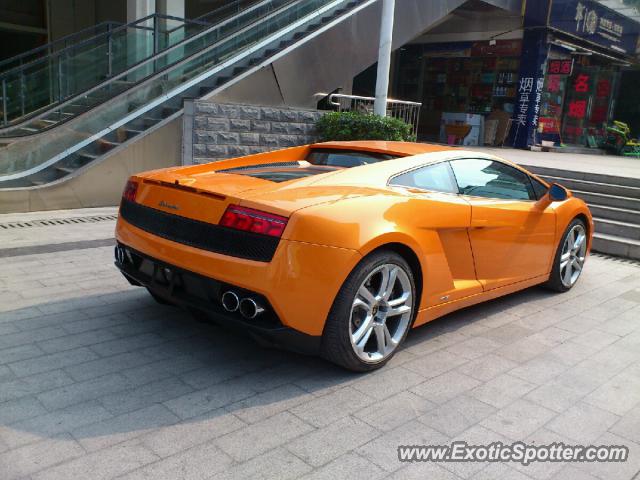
<point x="381" y="146"/>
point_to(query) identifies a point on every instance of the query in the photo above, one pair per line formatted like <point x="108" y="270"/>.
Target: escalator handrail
<point x="182" y="87"/>
<point x="154" y="58"/>
<point x="139" y="24"/>
<point x="118" y="25"/>
<point x="52" y="44"/>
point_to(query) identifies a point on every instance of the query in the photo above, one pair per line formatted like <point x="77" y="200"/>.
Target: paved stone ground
<point x="98" y="382"/>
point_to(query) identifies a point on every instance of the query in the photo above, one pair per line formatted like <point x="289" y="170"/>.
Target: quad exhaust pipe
<point x="249" y="308"/>
<point x="230" y="301"/>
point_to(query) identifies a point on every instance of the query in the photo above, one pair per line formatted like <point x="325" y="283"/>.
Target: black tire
<point x="159" y="299"/>
<point x="555" y="281"/>
<point x="336" y="344"/>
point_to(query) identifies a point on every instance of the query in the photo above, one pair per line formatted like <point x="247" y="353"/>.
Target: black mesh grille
<point x="194" y="233"/>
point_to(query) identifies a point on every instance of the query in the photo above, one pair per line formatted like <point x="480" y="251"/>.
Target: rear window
<point x="345" y="158"/>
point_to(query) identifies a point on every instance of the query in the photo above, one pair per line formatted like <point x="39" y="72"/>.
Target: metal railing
<point x="35" y="84"/>
<point x="59" y="44"/>
<point x="408" y="112"/>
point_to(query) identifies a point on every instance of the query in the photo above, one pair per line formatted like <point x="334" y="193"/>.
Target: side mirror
<point x="557" y="193"/>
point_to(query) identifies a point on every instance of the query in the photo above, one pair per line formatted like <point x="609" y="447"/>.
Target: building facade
<point x="552" y="73"/>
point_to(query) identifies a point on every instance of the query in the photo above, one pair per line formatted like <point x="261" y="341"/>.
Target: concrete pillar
<point x="384" y="57"/>
<point x="137" y="9"/>
<point x="173" y="8"/>
<point x="140" y="42"/>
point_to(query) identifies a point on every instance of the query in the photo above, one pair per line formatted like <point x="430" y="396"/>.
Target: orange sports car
<point x="340" y="248"/>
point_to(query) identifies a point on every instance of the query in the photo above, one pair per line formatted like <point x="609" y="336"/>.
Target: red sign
<point x="553" y="83"/>
<point x="581" y="83"/>
<point x="603" y="89"/>
<point x="549" y="125"/>
<point x="577" y="109"/>
<point x="560" y="67"/>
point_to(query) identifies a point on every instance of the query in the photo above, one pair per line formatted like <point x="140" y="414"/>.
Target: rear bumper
<point x="299" y="283"/>
<point x="191" y="290"/>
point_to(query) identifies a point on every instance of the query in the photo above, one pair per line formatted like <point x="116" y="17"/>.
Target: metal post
<point x="156" y="32"/>
<point x="22" y="93"/>
<point x="60" y="88"/>
<point x="384" y="57"/>
<point x="4" y="101"/>
<point x="109" y="51"/>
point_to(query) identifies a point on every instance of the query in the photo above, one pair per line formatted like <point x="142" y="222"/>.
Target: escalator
<point x="309" y="45"/>
<point x="50" y="85"/>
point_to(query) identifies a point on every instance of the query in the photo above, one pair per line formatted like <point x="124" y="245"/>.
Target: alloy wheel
<point x="381" y="313"/>
<point x="574" y="251"/>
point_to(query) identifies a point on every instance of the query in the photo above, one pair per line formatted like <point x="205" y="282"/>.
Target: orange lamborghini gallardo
<point x="340" y="248"/>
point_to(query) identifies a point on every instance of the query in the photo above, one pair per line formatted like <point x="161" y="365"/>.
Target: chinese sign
<point x="560" y="67"/>
<point x="592" y="21"/>
<point x="526" y="115"/>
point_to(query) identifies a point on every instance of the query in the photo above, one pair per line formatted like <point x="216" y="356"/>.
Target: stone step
<point x="589" y="177"/>
<point x="616" y="246"/>
<point x="609" y="200"/>
<point x="617" y="214"/>
<point x="595" y="187"/>
<point x="619" y="229"/>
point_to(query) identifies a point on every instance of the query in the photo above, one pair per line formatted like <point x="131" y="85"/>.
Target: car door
<point x="441" y="220"/>
<point x="512" y="234"/>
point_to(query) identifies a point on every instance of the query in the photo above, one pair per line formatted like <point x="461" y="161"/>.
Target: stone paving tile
<point x="583" y="422"/>
<point x="16" y="410"/>
<point x="518" y="420"/>
<point x="27" y="460"/>
<point x="276" y="464"/>
<point x="436" y="363"/>
<point x="321" y="446"/>
<point x="445" y="387"/>
<point x="98" y="381"/>
<point x="212" y="398"/>
<point x="118" y="429"/>
<point x="502" y="471"/>
<point x="52" y="361"/>
<point x="54" y="423"/>
<point x="83" y="391"/>
<point x="618" y="395"/>
<point x="387" y="382"/>
<point x="487" y="367"/>
<point x="101" y="465"/>
<point x="349" y="466"/>
<point x="622" y="470"/>
<point x="422" y="471"/>
<point x="383" y="450"/>
<point x="457" y="415"/>
<point x="171" y="439"/>
<point x="476" y="435"/>
<point x="197" y="463"/>
<point x="394" y="411"/>
<point x="261" y="437"/>
<point x="331" y="407"/>
<point x="502" y="390"/>
<point x="266" y="404"/>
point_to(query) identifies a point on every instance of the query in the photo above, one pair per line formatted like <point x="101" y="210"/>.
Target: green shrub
<point x="338" y="126"/>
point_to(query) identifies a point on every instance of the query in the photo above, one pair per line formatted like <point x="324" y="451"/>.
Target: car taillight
<point x="130" y="191"/>
<point x="250" y="220"/>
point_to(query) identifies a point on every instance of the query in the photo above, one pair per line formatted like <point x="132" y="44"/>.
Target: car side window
<point x="491" y="179"/>
<point x="539" y="188"/>
<point x="437" y="178"/>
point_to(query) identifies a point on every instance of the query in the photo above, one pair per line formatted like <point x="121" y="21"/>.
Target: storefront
<point x="459" y="83"/>
<point x="573" y="54"/>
